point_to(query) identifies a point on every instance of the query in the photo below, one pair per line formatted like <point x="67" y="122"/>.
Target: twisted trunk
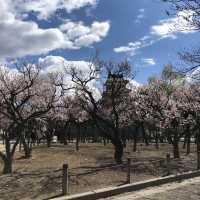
<point x="7" y="157"/>
<point x="7" y="168"/>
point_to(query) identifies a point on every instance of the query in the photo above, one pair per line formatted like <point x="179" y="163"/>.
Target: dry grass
<point x="39" y="177"/>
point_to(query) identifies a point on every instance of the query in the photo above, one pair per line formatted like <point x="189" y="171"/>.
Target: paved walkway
<point x="185" y="190"/>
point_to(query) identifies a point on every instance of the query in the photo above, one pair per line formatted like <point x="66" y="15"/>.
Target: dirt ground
<point x="1" y="147"/>
<point x="92" y="167"/>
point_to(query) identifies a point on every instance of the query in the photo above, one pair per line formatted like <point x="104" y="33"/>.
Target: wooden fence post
<point x="65" y="180"/>
<point x="168" y="164"/>
<point x="129" y="170"/>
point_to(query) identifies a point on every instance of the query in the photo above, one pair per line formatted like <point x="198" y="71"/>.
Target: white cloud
<point x="73" y="30"/>
<point x="133" y="47"/>
<point x="52" y="64"/>
<point x="125" y="49"/>
<point x="100" y="29"/>
<point x="83" y="35"/>
<point x="46" y="8"/>
<point x="140" y="16"/>
<point x="58" y="64"/>
<point x="149" y="61"/>
<point x="20" y="38"/>
<point x="168" y="28"/>
<point x="164" y="29"/>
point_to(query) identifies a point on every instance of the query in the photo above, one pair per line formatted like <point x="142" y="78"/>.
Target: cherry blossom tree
<point x="24" y="96"/>
<point x="190" y="107"/>
<point x="102" y="94"/>
<point x="158" y="107"/>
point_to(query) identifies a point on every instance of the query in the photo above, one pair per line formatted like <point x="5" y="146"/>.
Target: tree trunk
<point x="78" y="136"/>
<point x="27" y="149"/>
<point x="176" y="149"/>
<point x="49" y="139"/>
<point x="118" y="150"/>
<point x="48" y="142"/>
<point x="198" y="150"/>
<point x="7" y="169"/>
<point x="144" y="135"/>
<point x="28" y="152"/>
<point x="3" y="138"/>
<point x="188" y="145"/>
<point x="65" y="142"/>
<point x="124" y="142"/>
<point x="77" y="142"/>
<point x="185" y="141"/>
<point x="135" y="143"/>
<point x="156" y="140"/>
<point x="7" y="158"/>
<point x="20" y="146"/>
<point x="104" y="141"/>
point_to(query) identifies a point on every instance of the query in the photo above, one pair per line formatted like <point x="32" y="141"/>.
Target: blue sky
<point x="138" y="30"/>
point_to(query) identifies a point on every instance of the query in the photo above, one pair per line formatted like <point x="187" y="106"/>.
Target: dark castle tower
<point x="115" y="87"/>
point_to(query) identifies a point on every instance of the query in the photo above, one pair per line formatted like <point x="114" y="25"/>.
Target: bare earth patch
<point x="40" y="176"/>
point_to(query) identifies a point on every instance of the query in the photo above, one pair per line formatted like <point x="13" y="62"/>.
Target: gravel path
<point x="185" y="190"/>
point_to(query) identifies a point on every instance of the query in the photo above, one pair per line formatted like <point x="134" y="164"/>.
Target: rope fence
<point x="127" y="166"/>
<point x="68" y="180"/>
